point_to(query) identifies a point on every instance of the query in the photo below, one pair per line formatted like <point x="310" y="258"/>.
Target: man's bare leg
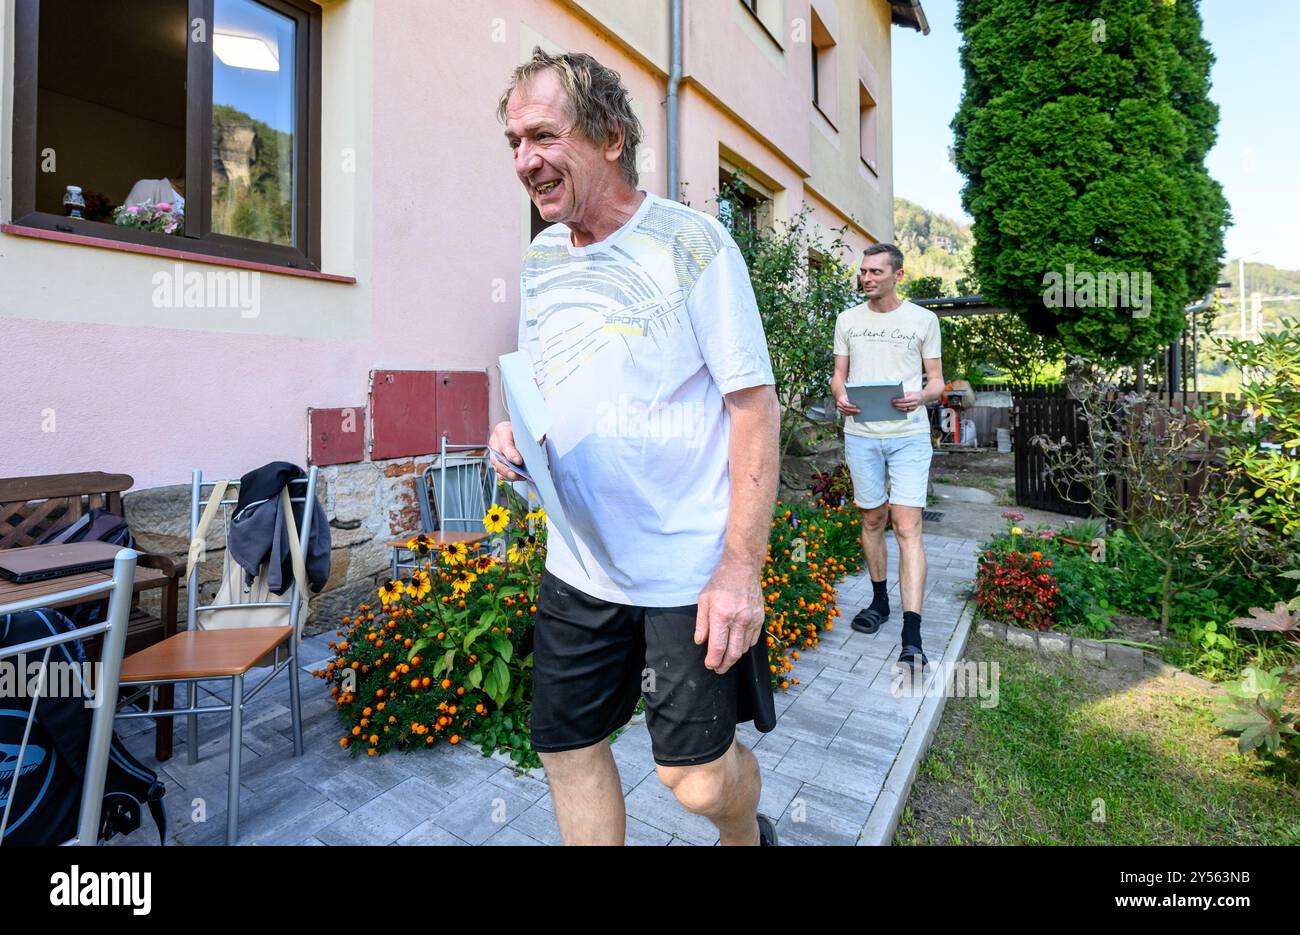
<point x="587" y="794"/>
<point x="911" y="556"/>
<point x="873" y="541"/>
<point x="725" y="791"/>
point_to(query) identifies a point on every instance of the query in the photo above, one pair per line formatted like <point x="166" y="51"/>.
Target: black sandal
<point x="868" y="620"/>
<point x="766" y="831"/>
<point x="908" y="657"/>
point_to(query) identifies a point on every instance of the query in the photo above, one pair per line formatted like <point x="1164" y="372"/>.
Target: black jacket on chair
<point x="259" y="535"/>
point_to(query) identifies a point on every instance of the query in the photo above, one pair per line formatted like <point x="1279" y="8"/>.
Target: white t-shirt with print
<point x="634" y="341"/>
<point x="887" y="347"/>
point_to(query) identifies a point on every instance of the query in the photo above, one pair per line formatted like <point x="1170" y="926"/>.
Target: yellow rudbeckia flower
<point x="496" y="519"/>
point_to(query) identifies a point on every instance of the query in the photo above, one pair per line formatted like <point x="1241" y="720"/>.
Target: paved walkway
<point x="832" y="771"/>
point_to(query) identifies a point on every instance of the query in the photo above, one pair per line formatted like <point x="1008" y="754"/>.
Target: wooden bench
<point x="31" y="506"/>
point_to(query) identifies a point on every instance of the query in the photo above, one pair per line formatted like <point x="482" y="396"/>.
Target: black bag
<point x="47" y="797"/>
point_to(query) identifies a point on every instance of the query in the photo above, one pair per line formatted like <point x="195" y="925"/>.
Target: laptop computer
<point x="39" y="562"/>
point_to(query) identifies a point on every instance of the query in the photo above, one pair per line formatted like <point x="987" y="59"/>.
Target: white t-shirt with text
<point x="887" y="347"/>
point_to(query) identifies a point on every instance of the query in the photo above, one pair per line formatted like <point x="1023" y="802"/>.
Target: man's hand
<point x="909" y="401"/>
<point x="844" y="406"/>
<point x="503" y="440"/>
<point x="729" y="615"/>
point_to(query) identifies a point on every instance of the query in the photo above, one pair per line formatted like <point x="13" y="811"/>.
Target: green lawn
<point x="1069" y="742"/>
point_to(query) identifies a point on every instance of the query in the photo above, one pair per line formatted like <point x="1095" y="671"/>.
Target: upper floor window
<point x="867" y="131"/>
<point x="824" y="84"/>
<point x="190" y="123"/>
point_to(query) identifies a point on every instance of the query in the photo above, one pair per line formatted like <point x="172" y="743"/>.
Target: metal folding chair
<point x="193" y="656"/>
<point x="455" y="492"/>
<point x="457" y="489"/>
<point x="119" y="589"/>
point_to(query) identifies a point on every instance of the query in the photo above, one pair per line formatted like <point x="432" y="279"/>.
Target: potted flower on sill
<point x="163" y="217"/>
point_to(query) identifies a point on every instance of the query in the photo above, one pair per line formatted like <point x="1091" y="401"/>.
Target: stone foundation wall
<point x="367" y="503"/>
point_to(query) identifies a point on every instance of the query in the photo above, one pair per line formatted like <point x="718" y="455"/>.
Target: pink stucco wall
<point x="438" y="287"/>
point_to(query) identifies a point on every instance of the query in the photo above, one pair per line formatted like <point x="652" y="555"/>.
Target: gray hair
<point x="599" y="105"/>
<point x="895" y="255"/>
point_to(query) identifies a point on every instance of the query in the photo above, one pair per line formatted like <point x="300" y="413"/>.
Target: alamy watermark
<point x="632" y="418"/>
<point x="35" y="678"/>
<point x="1085" y="289"/>
<point x="962" y="679"/>
<point x="209" y="289"/>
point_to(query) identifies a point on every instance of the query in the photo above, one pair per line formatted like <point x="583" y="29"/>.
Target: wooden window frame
<point x="868" y="113"/>
<point x="197" y="236"/>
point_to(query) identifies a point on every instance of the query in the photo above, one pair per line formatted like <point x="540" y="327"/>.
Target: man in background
<point x="888" y="339"/>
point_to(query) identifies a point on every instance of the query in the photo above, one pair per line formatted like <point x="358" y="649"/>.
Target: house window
<point x="742" y="206"/>
<point x="211" y="105"/>
<point x="824" y="84"/>
<point x="867" y="127"/>
<point x="769" y="15"/>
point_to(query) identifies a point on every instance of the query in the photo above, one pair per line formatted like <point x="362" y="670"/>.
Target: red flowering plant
<point x="833" y="488"/>
<point x="1018" y="588"/>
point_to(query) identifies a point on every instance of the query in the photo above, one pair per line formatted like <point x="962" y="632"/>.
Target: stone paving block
<point x="653" y="803"/>
<point x="388" y="816"/>
<point x="837" y="658"/>
<point x="776" y="792"/>
<point x="771" y="748"/>
<point x="539" y="823"/>
<point x="430" y="834"/>
<point x="817" y="816"/>
<point x="361" y="781"/>
<point x="477" y="815"/>
<point x="815" y="720"/>
<point x="875" y="652"/>
<point x="306" y="826"/>
<point x="509" y="837"/>
<point x="455" y="770"/>
<point x="260" y="815"/>
<point x="266" y="771"/>
<point x="838" y="770"/>
<point x="531" y="787"/>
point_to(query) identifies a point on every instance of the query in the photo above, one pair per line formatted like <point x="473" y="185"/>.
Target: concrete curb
<point x="1117" y="655"/>
<point x="883" y="819"/>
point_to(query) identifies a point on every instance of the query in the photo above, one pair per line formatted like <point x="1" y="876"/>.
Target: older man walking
<point x="647" y="345"/>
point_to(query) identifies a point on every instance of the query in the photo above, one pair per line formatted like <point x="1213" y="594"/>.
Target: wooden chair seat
<point x="196" y="654"/>
<point x="440" y="539"/>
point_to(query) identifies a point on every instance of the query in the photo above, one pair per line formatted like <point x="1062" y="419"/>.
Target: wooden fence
<point x="1055" y="417"/>
<point x="1061" y="417"/>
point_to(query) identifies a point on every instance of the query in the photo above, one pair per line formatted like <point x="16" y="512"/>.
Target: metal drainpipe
<point x="674" y="79"/>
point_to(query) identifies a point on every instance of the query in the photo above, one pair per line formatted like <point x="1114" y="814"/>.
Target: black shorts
<point x="593" y="659"/>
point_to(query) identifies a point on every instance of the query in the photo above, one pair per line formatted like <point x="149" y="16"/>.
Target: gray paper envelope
<point x="875" y="400"/>
<point x="530" y="421"/>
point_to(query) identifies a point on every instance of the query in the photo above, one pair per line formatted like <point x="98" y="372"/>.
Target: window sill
<point x="169" y="252"/>
<point x="829" y="122"/>
<point x="763" y="26"/>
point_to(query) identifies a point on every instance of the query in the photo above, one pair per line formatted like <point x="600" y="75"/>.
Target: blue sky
<point x="1255" y="82"/>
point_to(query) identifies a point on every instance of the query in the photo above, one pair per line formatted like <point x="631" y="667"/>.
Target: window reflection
<point x="253" y="118"/>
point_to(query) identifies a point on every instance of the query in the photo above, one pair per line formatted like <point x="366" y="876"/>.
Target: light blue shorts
<point x="906" y="459"/>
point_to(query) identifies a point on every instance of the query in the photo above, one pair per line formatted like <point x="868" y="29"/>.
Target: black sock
<point x="880" y="600"/>
<point x="911" y="628"/>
